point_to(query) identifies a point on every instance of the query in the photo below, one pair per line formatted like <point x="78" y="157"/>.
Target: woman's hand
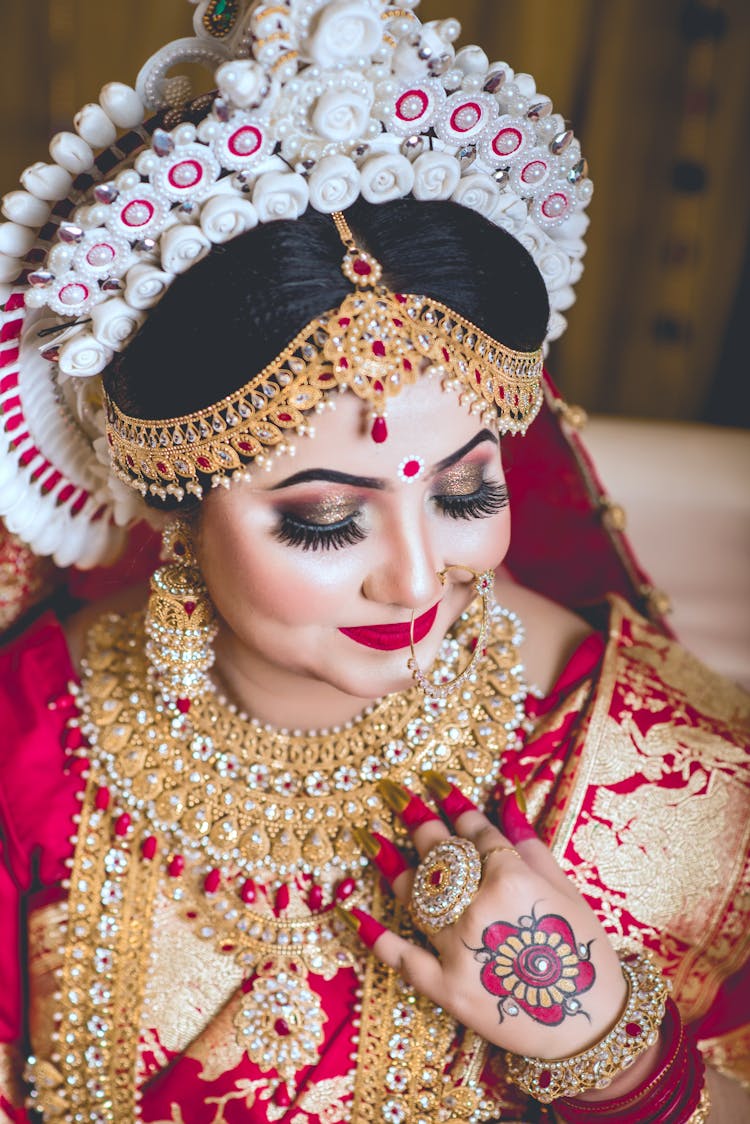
<point x="526" y="964"/>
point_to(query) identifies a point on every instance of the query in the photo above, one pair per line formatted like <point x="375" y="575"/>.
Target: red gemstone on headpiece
<point x="478" y="377"/>
<point x="285" y="417"/>
<point x="446" y="354"/>
<point x="436" y="877"/>
<point x="344" y="321"/>
<point x="379" y="431"/>
<point x="281" y="1026"/>
<point x="189" y="606"/>
<point x="148" y="848"/>
<point x="361" y="267"/>
<point x="378" y="348"/>
<point x="183" y="705"/>
<point x="344" y="363"/>
<point x="406" y="365"/>
<point x="377" y="385"/>
<point x="162" y="467"/>
<point x="315" y="898"/>
<point x="247" y="893"/>
<point x="204" y="462"/>
<point x="397" y="322"/>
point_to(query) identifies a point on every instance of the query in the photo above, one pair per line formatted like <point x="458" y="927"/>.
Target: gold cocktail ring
<point x="446" y="880"/>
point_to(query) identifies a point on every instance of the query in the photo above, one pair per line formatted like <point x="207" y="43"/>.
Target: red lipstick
<point x="390" y="637"/>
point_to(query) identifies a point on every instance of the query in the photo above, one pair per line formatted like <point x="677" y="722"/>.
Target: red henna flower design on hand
<point x="536" y="966"/>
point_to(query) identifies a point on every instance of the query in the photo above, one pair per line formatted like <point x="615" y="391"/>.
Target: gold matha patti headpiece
<point x="375" y="343"/>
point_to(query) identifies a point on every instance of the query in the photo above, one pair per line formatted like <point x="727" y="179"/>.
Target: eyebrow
<point x="331" y="476"/>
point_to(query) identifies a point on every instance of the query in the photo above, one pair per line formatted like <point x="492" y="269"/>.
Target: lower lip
<point x="391" y="637"/>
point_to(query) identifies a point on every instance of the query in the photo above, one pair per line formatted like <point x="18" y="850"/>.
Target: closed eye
<point x="319" y="536"/>
<point x="487" y="500"/>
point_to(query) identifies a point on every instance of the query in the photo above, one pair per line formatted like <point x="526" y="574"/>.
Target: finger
<point x="367" y="928"/>
<point x="386" y="856"/>
<point x="425" y="826"/>
<point x="416" y="965"/>
<point x="465" y="817"/>
<point x="522" y="835"/>
<point x="390" y="861"/>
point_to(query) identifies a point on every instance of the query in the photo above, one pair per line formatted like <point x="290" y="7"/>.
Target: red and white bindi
<point x="410" y="469"/>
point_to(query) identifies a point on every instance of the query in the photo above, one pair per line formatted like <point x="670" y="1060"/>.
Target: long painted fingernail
<point x="395" y="795"/>
<point x="451" y="799"/>
<point x="414" y="812"/>
<point x="357" y="921"/>
<point x="382" y="853"/>
<point x="367" y="842"/>
<point x="514" y="822"/>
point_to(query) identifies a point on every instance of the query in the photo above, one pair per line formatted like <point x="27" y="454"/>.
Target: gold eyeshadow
<point x="460" y="480"/>
<point x="328" y="510"/>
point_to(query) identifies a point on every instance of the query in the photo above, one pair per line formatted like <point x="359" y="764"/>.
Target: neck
<point x="275" y="695"/>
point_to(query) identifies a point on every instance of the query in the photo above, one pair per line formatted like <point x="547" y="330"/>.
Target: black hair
<point x="237" y="309"/>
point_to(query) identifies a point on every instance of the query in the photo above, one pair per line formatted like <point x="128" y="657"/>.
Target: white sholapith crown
<point x="319" y="102"/>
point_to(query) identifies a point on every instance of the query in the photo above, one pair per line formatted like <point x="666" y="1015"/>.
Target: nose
<point x="407" y="574"/>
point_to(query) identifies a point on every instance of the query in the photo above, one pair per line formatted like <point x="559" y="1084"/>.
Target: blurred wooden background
<point x="658" y="92"/>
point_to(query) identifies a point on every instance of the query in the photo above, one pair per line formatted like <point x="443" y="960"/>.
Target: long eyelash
<point x="317" y="536"/>
<point x="487" y="500"/>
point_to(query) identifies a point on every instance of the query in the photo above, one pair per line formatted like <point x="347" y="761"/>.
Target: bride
<point x="350" y="815"/>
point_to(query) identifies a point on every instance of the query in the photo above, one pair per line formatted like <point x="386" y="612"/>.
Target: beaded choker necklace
<point x="249" y="833"/>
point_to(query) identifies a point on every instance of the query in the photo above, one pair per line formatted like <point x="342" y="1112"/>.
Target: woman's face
<point x="316" y="566"/>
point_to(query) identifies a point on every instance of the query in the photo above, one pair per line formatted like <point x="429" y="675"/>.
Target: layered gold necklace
<point x="249" y="831"/>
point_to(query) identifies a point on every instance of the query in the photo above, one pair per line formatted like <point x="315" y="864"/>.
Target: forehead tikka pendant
<point x="373" y="344"/>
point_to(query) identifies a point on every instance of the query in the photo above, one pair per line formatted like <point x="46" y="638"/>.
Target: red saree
<point x="635" y="772"/>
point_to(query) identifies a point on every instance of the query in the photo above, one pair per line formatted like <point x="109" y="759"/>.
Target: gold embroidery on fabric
<point x="326" y="1100"/>
<point x="183" y="963"/>
<point x="46" y="927"/>
<point x="730" y="1054"/>
<point x="11" y="1074"/>
<point x="663" y="861"/>
<point x="118" y="908"/>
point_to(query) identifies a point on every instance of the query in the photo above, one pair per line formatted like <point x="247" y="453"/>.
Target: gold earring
<point x="484" y="584"/>
<point x="180" y="622"/>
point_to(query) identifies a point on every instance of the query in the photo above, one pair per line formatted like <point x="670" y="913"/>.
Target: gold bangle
<point x="595" y="1068"/>
<point x="703" y="1111"/>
